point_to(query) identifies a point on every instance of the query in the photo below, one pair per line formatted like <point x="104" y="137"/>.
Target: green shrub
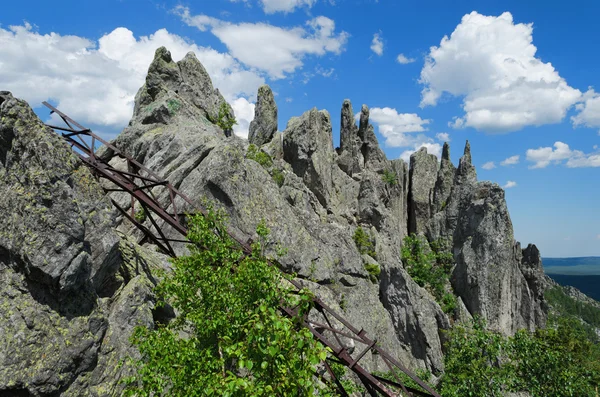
<point x="363" y="243"/>
<point x="556" y="361"/>
<point x="430" y="269"/>
<point x="262" y="158"/>
<point x="374" y="271"/>
<point x="229" y="336"/>
<point x="278" y="176"/>
<point x="390" y="177"/>
<point x="225" y="120"/>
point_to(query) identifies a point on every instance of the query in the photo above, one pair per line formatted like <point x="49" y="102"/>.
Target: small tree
<point x="225" y="120"/>
<point x="229" y="337"/>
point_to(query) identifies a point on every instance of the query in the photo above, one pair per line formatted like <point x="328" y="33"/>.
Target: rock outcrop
<point x="68" y="298"/>
<point x="264" y="125"/>
<point x="74" y="282"/>
<point x="493" y="276"/>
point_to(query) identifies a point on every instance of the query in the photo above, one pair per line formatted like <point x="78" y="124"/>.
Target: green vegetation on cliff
<point x="556" y="361"/>
<point x="429" y="265"/>
<point x="229" y="337"/>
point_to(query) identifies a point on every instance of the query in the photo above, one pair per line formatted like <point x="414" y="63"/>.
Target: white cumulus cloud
<point x="275" y="50"/>
<point x="244" y="114"/>
<point x="377" y="44"/>
<point x="402" y="59"/>
<point x="489" y="165"/>
<point x="544" y="156"/>
<point x="432" y="148"/>
<point x="395" y="127"/>
<point x="510" y="184"/>
<point x="589" y="111"/>
<point x="491" y="62"/>
<point x="273" y="6"/>
<point x="95" y="82"/>
<point x="443" y="136"/>
<point x="512" y="160"/>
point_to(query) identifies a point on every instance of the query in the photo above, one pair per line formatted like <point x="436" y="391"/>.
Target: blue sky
<point x="514" y="78"/>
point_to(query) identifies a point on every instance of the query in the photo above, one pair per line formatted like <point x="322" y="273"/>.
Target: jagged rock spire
<point x="348" y="129"/>
<point x="467" y="153"/>
<point x="173" y="86"/>
<point x="446" y="152"/>
<point x="264" y="125"/>
<point x="422" y="176"/>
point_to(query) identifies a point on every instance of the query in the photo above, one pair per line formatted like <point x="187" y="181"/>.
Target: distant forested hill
<point x="582" y="273"/>
<point x="589" y="285"/>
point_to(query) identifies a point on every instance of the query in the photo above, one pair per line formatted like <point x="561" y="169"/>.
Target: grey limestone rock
<point x="422" y="179"/>
<point x="66" y="308"/>
<point x="264" y="125"/>
<point x="488" y="274"/>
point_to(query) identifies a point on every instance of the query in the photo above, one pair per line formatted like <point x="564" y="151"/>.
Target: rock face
<point x="423" y="177"/>
<point x="72" y="289"/>
<point x="264" y="125"/>
<point x="493" y="276"/>
<point x="68" y="298"/>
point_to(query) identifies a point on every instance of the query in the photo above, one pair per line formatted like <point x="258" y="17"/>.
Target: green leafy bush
<point x="363" y="242"/>
<point x="278" y="177"/>
<point x="262" y="158"/>
<point x="374" y="271"/>
<point x="225" y="120"/>
<point x="430" y="269"/>
<point x="390" y="177"/>
<point x="229" y="338"/>
<point x="556" y="361"/>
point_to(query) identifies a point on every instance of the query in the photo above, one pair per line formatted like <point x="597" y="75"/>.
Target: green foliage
<point x="567" y="306"/>
<point x="262" y="158"/>
<point x="225" y="120"/>
<point x="278" y="176"/>
<point x="140" y="215"/>
<point x="430" y="269"/>
<point x="374" y="271"/>
<point x="556" y="361"/>
<point x="363" y="243"/>
<point x="229" y="338"/>
<point x="173" y="106"/>
<point x="390" y="177"/>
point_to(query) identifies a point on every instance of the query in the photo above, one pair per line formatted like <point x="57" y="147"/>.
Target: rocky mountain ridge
<point x="75" y="283"/>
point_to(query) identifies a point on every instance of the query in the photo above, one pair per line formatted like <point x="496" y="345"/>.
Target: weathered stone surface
<point x="351" y="159"/>
<point x="308" y="148"/>
<point x="373" y="156"/>
<point x="65" y="313"/>
<point x="444" y="182"/>
<point x="422" y="178"/>
<point x="264" y="125"/>
<point x="169" y="85"/>
<point x="488" y="273"/>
